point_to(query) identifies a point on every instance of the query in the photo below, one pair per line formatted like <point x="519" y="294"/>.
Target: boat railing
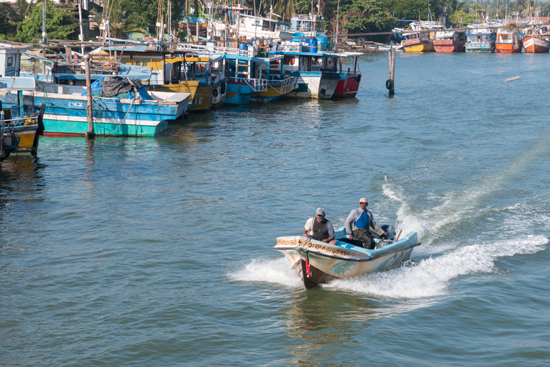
<point x="219" y="50"/>
<point x="257" y="85"/>
<point x="21" y="121"/>
<point x="288" y="85"/>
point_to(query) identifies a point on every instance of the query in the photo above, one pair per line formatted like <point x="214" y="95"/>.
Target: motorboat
<point x="318" y="262"/>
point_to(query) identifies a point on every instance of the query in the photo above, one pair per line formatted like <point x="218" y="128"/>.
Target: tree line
<point x="22" y="21"/>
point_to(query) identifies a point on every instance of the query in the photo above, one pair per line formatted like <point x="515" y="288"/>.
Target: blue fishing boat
<point x="318" y="262"/>
<point x="242" y="85"/>
<point x="478" y="38"/>
<point x="135" y="113"/>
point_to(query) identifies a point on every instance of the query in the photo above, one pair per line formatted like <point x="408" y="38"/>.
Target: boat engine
<point x="390" y="230"/>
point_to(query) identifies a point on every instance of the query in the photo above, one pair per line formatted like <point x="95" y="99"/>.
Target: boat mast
<point x="337" y="26"/>
<point x="80" y="20"/>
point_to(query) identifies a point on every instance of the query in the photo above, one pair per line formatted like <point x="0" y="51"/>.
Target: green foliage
<point x="368" y="16"/>
<point x="60" y="24"/>
<point x="466" y="18"/>
<point x="8" y="18"/>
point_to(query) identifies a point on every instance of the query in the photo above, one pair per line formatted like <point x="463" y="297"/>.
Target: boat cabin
<point x="10" y="57"/>
<point x="307" y="23"/>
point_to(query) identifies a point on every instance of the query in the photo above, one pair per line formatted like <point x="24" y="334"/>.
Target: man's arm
<point x="349" y="220"/>
<point x="378" y="230"/>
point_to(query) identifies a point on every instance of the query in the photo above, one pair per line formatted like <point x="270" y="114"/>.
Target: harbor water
<point x="159" y="251"/>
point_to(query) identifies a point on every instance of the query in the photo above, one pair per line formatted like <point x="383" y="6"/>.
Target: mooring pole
<point x="390" y="81"/>
<point x="90" y="134"/>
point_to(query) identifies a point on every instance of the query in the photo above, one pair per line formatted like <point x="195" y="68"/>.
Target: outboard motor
<point x="390" y="230"/>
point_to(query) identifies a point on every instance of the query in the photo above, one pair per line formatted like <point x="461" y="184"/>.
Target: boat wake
<point x="268" y="270"/>
<point x="430" y="277"/>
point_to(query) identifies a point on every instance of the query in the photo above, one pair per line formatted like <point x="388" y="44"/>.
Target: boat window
<point x="289" y="60"/>
<point x="144" y="63"/>
<point x="138" y="63"/>
<point x="10" y="62"/>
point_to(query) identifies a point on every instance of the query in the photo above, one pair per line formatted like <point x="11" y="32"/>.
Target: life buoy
<point x="358" y="78"/>
<point x="215" y="92"/>
<point x="389" y="84"/>
<point x="222" y="89"/>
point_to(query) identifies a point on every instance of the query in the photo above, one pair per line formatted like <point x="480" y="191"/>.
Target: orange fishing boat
<point x="508" y="42"/>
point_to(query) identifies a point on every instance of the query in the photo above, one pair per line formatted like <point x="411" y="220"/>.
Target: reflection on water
<point x="320" y="320"/>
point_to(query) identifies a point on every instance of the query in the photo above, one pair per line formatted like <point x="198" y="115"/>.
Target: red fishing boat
<point x="450" y="41"/>
<point x="348" y="85"/>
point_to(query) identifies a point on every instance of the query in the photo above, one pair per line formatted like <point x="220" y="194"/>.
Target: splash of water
<point x="276" y="271"/>
<point x="430" y="277"/>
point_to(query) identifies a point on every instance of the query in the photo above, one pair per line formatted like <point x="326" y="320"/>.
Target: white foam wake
<point x="431" y="276"/>
<point x="268" y="270"/>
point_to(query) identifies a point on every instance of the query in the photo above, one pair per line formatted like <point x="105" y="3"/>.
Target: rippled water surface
<point x="159" y="251"/>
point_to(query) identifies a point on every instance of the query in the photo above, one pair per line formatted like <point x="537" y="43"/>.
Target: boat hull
<point x="238" y="93"/>
<point x="418" y="45"/>
<point x="344" y="260"/>
<point x="201" y="96"/>
<point x="449" y="45"/>
<point x="65" y="114"/>
<point x="478" y="47"/>
<point x="348" y="86"/>
<point x="314" y="85"/>
<point x="507" y="48"/>
<point x="536" y="44"/>
<point x="275" y="90"/>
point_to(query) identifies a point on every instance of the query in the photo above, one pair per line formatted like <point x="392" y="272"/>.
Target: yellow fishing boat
<point x="417" y="42"/>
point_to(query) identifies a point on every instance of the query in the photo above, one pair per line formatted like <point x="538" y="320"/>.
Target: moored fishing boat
<point x="417" y="42"/>
<point x="319" y="262"/>
<point x="242" y="84"/>
<point x="478" y="38"/>
<point x="139" y="113"/>
<point x="536" y="40"/>
<point x="278" y="84"/>
<point x="508" y="41"/>
<point x="449" y="41"/>
<point x="316" y="72"/>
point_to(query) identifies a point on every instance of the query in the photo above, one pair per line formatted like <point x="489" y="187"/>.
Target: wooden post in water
<point x="90" y="134"/>
<point x="390" y="81"/>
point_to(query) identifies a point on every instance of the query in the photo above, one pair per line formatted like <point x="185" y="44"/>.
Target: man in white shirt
<point x="319" y="228"/>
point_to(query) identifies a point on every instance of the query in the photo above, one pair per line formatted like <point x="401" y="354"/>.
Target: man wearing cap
<point x="358" y="223"/>
<point x="319" y="228"/>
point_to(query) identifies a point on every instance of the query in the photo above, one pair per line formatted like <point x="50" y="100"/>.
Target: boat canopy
<point x="18" y="83"/>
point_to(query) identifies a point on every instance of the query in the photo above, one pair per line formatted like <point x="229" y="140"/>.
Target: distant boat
<point x="65" y="113"/>
<point x="508" y="41"/>
<point x="478" y="38"/>
<point x="537" y="40"/>
<point x="417" y="42"/>
<point x="319" y="262"/>
<point x="450" y="41"/>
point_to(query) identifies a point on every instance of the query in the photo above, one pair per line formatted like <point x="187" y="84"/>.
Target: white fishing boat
<point x="319" y="262"/>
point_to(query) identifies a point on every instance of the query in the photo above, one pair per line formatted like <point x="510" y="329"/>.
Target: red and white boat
<point x="537" y="40"/>
<point x="508" y="42"/>
<point x="450" y="41"/>
<point x="348" y="85"/>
